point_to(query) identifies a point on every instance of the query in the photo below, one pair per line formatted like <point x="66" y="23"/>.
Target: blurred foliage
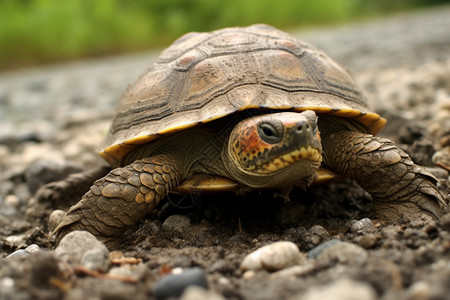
<point x="38" y="31"/>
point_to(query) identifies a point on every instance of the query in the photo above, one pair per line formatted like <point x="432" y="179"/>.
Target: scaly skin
<point x="121" y="198"/>
<point x="400" y="189"/>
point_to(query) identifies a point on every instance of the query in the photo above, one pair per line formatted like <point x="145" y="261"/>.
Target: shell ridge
<point x="204" y="77"/>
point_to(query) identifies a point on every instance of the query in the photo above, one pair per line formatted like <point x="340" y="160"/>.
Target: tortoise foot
<point x="121" y="198"/>
<point x="400" y="189"/>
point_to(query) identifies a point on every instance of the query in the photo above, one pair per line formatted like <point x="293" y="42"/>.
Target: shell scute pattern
<point x="206" y="76"/>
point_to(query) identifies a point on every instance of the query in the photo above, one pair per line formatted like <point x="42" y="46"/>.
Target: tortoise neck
<point x="196" y="151"/>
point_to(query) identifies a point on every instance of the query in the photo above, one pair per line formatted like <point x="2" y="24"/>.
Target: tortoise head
<point x="276" y="149"/>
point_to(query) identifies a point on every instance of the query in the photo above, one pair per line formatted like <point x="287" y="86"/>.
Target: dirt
<point x="54" y="119"/>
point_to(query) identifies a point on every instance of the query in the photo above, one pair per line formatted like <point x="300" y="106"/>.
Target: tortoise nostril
<point x="301" y="126"/>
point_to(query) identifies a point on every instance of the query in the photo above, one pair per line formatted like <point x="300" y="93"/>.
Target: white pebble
<point x="6" y="283"/>
<point x="12" y="200"/>
<point x="16" y="241"/>
<point x="55" y="219"/>
<point x="75" y="244"/>
<point x="272" y="257"/>
<point x="341" y="289"/>
<point x="196" y="292"/>
<point x="224" y="281"/>
<point x="248" y="274"/>
<point x="32" y="248"/>
<point x="135" y="272"/>
<point x="419" y="290"/>
<point x="362" y="225"/>
<point x="177" y="270"/>
<point x="295" y="271"/>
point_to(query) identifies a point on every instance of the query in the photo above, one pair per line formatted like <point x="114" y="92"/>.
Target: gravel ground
<point x="320" y="246"/>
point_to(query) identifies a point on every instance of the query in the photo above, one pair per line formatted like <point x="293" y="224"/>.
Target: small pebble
<point x="176" y="271"/>
<point x="133" y="272"/>
<point x="368" y="241"/>
<point x="341" y="289"/>
<point x="362" y="225"/>
<point x="23" y="252"/>
<point x="442" y="158"/>
<point x="76" y="243"/>
<point x="95" y="259"/>
<point x="55" y="219"/>
<point x="315" y="236"/>
<point x="32" y="248"/>
<point x="12" y="200"/>
<point x="18" y="253"/>
<point x="419" y="291"/>
<point x="16" y="241"/>
<point x="177" y="223"/>
<point x="197" y="292"/>
<point x="174" y="285"/>
<point x="248" y="274"/>
<point x="343" y="253"/>
<point x="224" y="281"/>
<point x="7" y="288"/>
<point x="272" y="257"/>
<point x="115" y="255"/>
<point x="316" y="251"/>
<point x="295" y="271"/>
<point x="6" y="283"/>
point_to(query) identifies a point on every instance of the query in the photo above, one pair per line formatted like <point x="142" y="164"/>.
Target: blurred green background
<point x="41" y="31"/>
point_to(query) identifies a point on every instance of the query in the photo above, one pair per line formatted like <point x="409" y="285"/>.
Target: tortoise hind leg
<point x="399" y="187"/>
<point x="121" y="198"/>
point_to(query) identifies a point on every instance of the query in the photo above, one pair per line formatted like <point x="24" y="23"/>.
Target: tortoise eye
<point x="269" y="133"/>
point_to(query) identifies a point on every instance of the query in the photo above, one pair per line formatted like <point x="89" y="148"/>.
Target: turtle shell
<point x="205" y="76"/>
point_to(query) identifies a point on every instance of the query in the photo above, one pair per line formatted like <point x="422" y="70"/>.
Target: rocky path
<point x="53" y="119"/>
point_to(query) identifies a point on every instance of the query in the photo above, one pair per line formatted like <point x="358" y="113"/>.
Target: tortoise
<point x="245" y="108"/>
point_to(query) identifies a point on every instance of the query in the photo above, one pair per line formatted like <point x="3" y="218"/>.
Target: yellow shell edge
<point x="114" y="153"/>
<point x="206" y="184"/>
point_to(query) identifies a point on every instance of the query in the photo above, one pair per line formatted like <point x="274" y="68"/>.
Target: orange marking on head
<point x="318" y="136"/>
<point x="251" y="143"/>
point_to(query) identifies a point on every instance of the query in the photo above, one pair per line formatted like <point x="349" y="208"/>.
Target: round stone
<point x="174" y="285"/>
<point x="362" y="225"/>
<point x="272" y="257"/>
<point x="177" y="223"/>
<point x="55" y="218"/>
<point x="75" y="244"/>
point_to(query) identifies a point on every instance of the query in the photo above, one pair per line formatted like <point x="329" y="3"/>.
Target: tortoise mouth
<point x="303" y="154"/>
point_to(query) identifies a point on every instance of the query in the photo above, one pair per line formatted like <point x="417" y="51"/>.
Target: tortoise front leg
<point x="398" y="186"/>
<point x="121" y="198"/>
